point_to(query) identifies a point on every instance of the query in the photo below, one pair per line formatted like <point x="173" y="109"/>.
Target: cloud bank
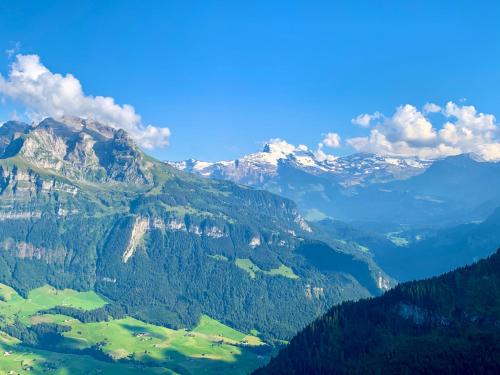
<point x="409" y="132"/>
<point x="44" y="93"/>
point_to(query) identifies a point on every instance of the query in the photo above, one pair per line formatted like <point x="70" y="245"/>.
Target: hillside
<point x="448" y="325"/>
<point x="82" y="207"/>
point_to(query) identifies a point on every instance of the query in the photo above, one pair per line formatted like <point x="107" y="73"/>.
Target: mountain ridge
<point x="352" y="170"/>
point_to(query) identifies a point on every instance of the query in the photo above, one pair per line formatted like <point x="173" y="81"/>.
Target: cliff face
<point x="81" y="150"/>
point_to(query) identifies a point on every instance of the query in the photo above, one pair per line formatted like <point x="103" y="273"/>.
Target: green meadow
<point x="129" y="344"/>
<point x="252" y="269"/>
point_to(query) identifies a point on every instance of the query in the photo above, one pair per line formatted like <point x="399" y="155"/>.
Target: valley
<point x="111" y="255"/>
<point x="249" y="188"/>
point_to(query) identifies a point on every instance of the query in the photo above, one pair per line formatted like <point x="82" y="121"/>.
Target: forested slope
<point x="448" y="325"/>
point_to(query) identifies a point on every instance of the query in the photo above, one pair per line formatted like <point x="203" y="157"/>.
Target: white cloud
<point x="364" y="120"/>
<point x="44" y="93"/>
<point x="409" y="125"/>
<point x="331" y="140"/>
<point x="280" y="146"/>
<point x="408" y="132"/>
<point x="431" y="108"/>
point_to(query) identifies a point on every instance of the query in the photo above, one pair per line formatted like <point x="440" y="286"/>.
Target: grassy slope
<point x="17" y="359"/>
<point x="15" y="306"/>
<point x="252" y="269"/>
<point x="208" y="349"/>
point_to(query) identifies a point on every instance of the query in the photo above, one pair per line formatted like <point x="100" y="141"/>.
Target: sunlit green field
<point x="15" y="306"/>
<point x="252" y="269"/>
<point x="15" y="359"/>
<point x="130" y="344"/>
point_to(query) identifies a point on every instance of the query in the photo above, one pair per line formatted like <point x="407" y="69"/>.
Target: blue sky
<point x="224" y="76"/>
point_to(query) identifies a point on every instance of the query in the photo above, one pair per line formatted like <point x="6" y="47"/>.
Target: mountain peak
<point x="76" y="148"/>
<point x="259" y="167"/>
<point x="78" y="125"/>
<point x="278" y="146"/>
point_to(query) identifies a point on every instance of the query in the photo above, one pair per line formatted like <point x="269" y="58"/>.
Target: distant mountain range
<point x="444" y="325"/>
<point x="82" y="207"/>
<point x="385" y="191"/>
<point x="263" y="168"/>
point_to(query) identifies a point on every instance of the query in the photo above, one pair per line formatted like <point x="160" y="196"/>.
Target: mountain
<point x="444" y="325"/>
<point x="82" y="207"/>
<point x="317" y="185"/>
<point x="465" y="181"/>
<point x="263" y="168"/>
<point x="368" y="189"/>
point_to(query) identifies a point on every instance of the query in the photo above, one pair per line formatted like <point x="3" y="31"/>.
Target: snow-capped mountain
<point x="365" y="187"/>
<point x="260" y="168"/>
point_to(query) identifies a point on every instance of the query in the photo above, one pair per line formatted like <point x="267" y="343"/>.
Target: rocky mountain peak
<point x="67" y="125"/>
<point x="266" y="148"/>
<point x="76" y="148"/>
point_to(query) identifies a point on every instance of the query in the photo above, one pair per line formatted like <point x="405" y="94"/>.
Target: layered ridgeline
<point x="434" y="252"/>
<point x="82" y="207"/>
<point x="444" y="325"/>
<point x="419" y="253"/>
<point x="388" y="191"/>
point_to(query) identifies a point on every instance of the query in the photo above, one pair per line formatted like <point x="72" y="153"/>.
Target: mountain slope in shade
<point x="82" y="207"/>
<point x="448" y="325"/>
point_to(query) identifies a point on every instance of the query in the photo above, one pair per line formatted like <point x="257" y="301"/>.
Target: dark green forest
<point x="444" y="325"/>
